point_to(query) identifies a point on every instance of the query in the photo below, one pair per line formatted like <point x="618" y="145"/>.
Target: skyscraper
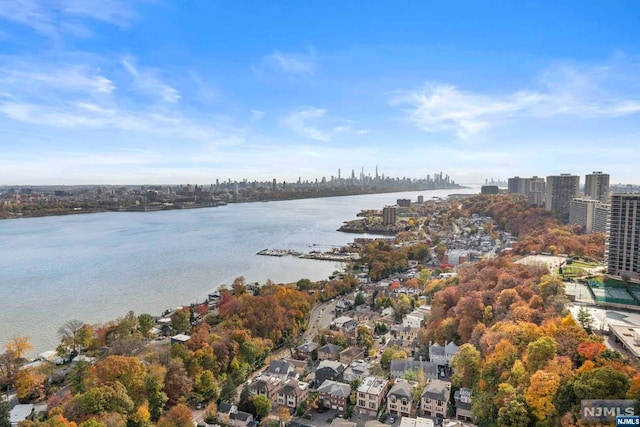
<point x="596" y="186"/>
<point x="561" y="189"/>
<point x="623" y="236"/>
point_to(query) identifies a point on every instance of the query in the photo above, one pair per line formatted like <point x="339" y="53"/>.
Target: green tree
<point x="540" y="352"/>
<point x="77" y="377"/>
<point x="601" y="383"/>
<point x="359" y="300"/>
<point x="514" y="413"/>
<point x="4" y="413"/>
<point x="181" y="322"/>
<point x="585" y="319"/>
<point x="466" y="364"/>
<point x="145" y="324"/>
<point x="262" y="404"/>
<point x="153" y="385"/>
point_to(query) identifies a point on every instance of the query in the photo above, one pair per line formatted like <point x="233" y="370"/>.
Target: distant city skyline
<point x="98" y="92"/>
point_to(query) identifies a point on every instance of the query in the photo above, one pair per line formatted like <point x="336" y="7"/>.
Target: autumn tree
<point x="153" y="386"/>
<point x="177" y="383"/>
<point x="178" y="416"/>
<point x="604" y="382"/>
<point x="540" y="393"/>
<point x="514" y="413"/>
<point x="29" y="384"/>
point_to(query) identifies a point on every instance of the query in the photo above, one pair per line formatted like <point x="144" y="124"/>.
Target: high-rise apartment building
<point x="596" y="186"/>
<point x="590" y="214"/>
<point x="517" y="185"/>
<point x="389" y="215"/>
<point x="537" y="190"/>
<point x="533" y="188"/>
<point x="623" y="236"/>
<point x="561" y="189"/>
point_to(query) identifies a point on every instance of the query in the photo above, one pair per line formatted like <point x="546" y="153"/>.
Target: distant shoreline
<point x="73" y="209"/>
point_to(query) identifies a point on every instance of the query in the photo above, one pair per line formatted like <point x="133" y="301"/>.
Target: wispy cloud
<point x="294" y="63"/>
<point x="146" y="81"/>
<point x="298" y="122"/>
<point x="564" y="91"/>
<point x="314" y="123"/>
<point x="52" y="18"/>
<point x="30" y="77"/>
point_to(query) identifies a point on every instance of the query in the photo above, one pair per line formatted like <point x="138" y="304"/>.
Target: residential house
<point x="301" y="367"/>
<point x="435" y="398"/>
<point x="407" y="333"/>
<point x="265" y="385"/>
<point x="344" y="324"/>
<point x="416" y="317"/>
<point x="416" y="422"/>
<point x="329" y="352"/>
<point x="228" y="414"/>
<point x="307" y="351"/>
<point x="349" y="354"/>
<point x="281" y="369"/>
<point x="241" y="419"/>
<point x="401" y="366"/>
<point x="443" y="355"/>
<point x="180" y="339"/>
<point x="329" y="370"/>
<point x="20" y="413"/>
<point x="359" y="369"/>
<point x="462" y="398"/>
<point x="370" y="395"/>
<point x="292" y="393"/>
<point x="334" y="395"/>
<point x="399" y="398"/>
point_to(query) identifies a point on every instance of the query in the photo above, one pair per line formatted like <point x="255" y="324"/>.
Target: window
<point x="362" y="403"/>
<point x="372" y="405"/>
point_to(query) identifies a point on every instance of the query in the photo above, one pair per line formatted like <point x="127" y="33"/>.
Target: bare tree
<point x="69" y="333"/>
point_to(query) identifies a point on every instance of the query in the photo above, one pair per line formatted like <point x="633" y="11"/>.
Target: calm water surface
<point x="97" y="267"/>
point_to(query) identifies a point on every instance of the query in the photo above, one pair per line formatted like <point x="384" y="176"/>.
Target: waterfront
<point x="97" y="267"/>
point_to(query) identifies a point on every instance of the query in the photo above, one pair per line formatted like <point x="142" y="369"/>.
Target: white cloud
<point x="293" y="63"/>
<point x="146" y="81"/>
<point x="52" y="18"/>
<point x="32" y="77"/>
<point x="298" y="122"/>
<point x="257" y="115"/>
<point x="314" y="123"/>
<point x="565" y="91"/>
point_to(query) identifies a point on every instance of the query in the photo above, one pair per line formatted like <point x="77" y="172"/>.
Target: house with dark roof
<point x="280" y="369"/>
<point x="265" y="385"/>
<point x="292" y="393"/>
<point x="241" y="419"/>
<point x="307" y="351"/>
<point x="334" y="395"/>
<point x="399" y="398"/>
<point x="400" y="367"/>
<point x="329" y="352"/>
<point x="435" y="398"/>
<point x="329" y="370"/>
<point x="462" y="399"/>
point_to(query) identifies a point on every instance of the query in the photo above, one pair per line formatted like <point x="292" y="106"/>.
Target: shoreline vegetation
<point x="524" y="359"/>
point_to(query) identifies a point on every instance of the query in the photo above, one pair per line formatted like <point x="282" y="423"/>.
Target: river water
<point x="97" y="267"/>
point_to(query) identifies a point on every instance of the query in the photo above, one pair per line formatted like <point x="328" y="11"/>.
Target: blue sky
<point x="160" y="91"/>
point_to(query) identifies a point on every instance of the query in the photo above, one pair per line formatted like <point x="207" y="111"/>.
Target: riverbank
<point x="96" y="267"/>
